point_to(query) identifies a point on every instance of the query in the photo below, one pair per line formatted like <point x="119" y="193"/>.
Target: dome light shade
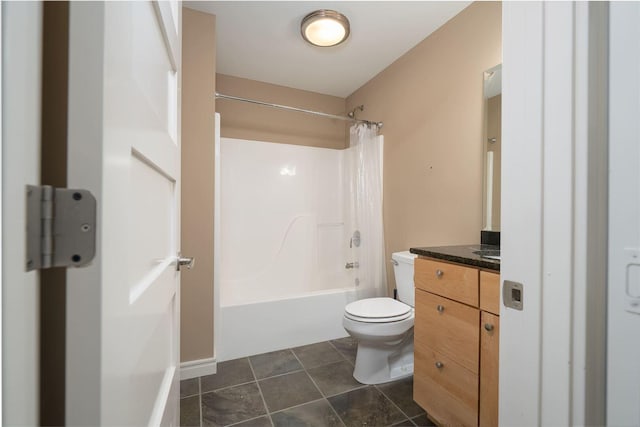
<point x="325" y="28"/>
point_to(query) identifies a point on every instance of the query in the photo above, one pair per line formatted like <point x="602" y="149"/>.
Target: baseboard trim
<point x="198" y="368"/>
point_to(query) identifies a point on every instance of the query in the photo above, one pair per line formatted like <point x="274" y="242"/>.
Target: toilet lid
<point x="377" y="310"/>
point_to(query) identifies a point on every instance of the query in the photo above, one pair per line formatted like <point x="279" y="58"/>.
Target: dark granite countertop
<point x="462" y="254"/>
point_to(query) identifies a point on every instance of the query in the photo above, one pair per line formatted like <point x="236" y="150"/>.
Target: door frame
<point x="21" y="66"/>
<point x="623" y="351"/>
<point x="83" y="365"/>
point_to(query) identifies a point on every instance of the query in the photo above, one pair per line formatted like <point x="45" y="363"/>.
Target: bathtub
<point x="265" y="326"/>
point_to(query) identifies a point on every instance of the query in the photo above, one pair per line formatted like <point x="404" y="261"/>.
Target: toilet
<point x="383" y="328"/>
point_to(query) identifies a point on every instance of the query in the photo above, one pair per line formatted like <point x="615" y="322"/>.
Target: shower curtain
<point x="364" y="163"/>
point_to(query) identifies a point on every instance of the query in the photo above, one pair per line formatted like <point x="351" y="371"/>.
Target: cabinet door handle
<point x="488" y="327"/>
<point x="440" y="308"/>
<point x="439" y="365"/>
<point x="439" y="273"/>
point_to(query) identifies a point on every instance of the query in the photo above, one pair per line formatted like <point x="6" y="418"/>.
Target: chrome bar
<point x="299" y="110"/>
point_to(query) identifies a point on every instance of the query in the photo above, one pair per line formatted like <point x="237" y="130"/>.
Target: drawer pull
<point x="440" y="308"/>
<point x="488" y="327"/>
<point x="439" y="273"/>
<point x="439" y="365"/>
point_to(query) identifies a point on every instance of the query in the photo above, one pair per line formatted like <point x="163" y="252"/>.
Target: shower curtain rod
<point x="299" y="110"/>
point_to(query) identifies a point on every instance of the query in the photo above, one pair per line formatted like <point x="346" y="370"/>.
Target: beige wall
<point x="198" y="109"/>
<point x="430" y="101"/>
<point x="249" y="121"/>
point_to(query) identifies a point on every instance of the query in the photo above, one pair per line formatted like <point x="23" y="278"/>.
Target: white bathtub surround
<point x="282" y="221"/>
<point x="285" y="238"/>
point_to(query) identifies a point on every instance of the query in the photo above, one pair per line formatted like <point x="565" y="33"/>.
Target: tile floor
<point x="311" y="385"/>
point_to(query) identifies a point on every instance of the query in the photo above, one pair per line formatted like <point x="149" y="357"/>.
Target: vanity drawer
<point x="490" y="292"/>
<point x="448" y="280"/>
<point x="446" y="390"/>
<point x="448" y="327"/>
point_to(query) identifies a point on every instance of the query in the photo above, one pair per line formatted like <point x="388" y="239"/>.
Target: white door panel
<point x="554" y="184"/>
<point x="129" y="156"/>
<point x="521" y="221"/>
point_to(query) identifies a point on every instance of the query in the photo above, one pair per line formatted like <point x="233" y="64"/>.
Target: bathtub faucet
<point x="352" y="265"/>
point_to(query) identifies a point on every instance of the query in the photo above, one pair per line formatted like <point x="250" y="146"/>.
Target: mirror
<point x="492" y="148"/>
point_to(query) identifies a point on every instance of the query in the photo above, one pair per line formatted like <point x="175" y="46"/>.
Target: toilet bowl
<point x="383" y="328"/>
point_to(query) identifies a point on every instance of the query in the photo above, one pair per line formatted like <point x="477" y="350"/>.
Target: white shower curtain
<point x="364" y="164"/>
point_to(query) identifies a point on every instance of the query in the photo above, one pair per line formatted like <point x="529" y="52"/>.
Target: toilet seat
<point x="377" y="310"/>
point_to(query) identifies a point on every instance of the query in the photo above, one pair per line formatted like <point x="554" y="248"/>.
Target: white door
<point x="623" y="357"/>
<point x="521" y="213"/>
<point x="124" y="147"/>
<point x="553" y="221"/>
<point x="21" y="77"/>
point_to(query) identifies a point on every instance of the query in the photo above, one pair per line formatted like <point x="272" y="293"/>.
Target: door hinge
<point x="61" y="227"/>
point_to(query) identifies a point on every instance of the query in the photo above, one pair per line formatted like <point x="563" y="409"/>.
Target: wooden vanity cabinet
<point x="456" y="343"/>
<point x="489" y="352"/>
<point x="490" y="292"/>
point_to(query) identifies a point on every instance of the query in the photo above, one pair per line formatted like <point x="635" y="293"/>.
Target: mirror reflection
<point x="492" y="147"/>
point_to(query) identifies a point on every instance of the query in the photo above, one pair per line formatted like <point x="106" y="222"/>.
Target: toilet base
<point x="378" y="363"/>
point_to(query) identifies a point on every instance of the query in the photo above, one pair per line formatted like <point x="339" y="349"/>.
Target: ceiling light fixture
<point x="325" y="28"/>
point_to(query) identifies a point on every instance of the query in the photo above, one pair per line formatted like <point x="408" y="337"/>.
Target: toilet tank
<point x="403" y="271"/>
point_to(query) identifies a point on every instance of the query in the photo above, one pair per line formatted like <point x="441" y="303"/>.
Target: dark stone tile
<point x="288" y="390"/>
<point x="189" y="387"/>
<point x="274" y="363"/>
<point x="256" y="422"/>
<point x="405" y="423"/>
<point x="334" y="378"/>
<point x="314" y="414"/>
<point x="232" y="405"/>
<point x="318" y="354"/>
<point x="423" y="421"/>
<point x="365" y="406"/>
<point x="231" y="372"/>
<point x="401" y="393"/>
<point x="348" y="347"/>
<point x="190" y="411"/>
